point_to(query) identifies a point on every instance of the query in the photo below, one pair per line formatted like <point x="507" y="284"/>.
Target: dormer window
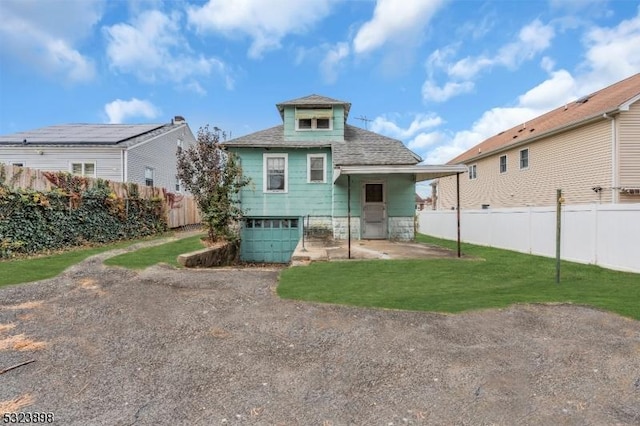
<point x="319" y="118"/>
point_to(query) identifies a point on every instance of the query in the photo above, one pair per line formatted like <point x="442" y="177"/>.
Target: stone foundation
<point x="340" y="228"/>
<point x="224" y="255"/>
<point x="401" y="228"/>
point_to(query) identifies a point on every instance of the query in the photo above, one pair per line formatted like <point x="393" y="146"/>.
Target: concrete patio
<point x="315" y="250"/>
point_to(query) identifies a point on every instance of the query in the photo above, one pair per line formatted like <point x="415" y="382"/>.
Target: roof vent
<point x="583" y="100"/>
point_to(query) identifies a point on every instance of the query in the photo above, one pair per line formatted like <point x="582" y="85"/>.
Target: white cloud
<point x="612" y="54"/>
<point x="44" y="35"/>
<point x="120" y="111"/>
<point x="425" y="140"/>
<point x="153" y="49"/>
<point x="532" y="39"/>
<point x="266" y="22"/>
<point x="419" y="123"/>
<point x="551" y="93"/>
<point x="331" y="63"/>
<point x="395" y="21"/>
<point x="431" y="91"/>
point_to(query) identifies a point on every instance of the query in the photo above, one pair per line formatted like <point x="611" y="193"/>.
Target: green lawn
<point x="500" y="278"/>
<point x="16" y="271"/>
<point x="164" y="253"/>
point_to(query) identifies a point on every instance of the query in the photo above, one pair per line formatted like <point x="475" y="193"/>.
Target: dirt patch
<point x="167" y="346"/>
<point x="24" y="306"/>
<point x="15" y="405"/>
<point x="6" y="327"/>
<point x="20" y="342"/>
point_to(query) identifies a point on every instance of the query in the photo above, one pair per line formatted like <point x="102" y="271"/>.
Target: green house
<point x="316" y="174"/>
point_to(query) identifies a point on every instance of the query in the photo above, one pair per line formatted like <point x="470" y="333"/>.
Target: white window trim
<point x="286" y="173"/>
<point x="153" y="175"/>
<point x="506" y="164"/>
<point x="324" y="168"/>
<point x="474" y="175"/>
<point x="314" y="125"/>
<point x="83" y="163"/>
<point x="528" y="158"/>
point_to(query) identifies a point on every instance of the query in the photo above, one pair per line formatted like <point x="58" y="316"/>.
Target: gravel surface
<point x="166" y="346"/>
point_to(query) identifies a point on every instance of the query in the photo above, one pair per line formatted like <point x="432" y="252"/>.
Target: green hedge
<point x="34" y="221"/>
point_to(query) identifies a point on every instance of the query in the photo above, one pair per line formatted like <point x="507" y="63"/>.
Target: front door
<point x="374" y="212"/>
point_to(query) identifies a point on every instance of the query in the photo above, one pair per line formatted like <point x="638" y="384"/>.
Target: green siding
<point x="400" y="194"/>
<point x="301" y="198"/>
<point x="335" y="134"/>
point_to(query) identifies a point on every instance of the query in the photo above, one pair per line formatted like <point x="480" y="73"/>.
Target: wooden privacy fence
<point x="181" y="209"/>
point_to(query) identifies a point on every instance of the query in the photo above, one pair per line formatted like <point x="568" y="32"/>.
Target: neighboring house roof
<point x="89" y="134"/>
<point x="609" y="100"/>
<point x="360" y="147"/>
<point x="314" y="101"/>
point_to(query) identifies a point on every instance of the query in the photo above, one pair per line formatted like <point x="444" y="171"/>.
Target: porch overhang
<point x="422" y="173"/>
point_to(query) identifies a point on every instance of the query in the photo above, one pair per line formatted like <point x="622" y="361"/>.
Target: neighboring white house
<point x="589" y="148"/>
<point x="139" y="153"/>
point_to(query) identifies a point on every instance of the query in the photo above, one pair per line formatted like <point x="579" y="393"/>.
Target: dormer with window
<point x="314" y="118"/>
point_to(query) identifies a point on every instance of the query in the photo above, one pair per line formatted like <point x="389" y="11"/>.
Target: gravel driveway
<point x="192" y="347"/>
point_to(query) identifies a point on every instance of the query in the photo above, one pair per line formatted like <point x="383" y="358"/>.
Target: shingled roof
<point x="360" y="147"/>
<point x="87" y="134"/>
<point x="608" y="100"/>
<point x="312" y="101"/>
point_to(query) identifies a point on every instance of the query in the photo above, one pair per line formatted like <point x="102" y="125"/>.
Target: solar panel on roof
<point x="81" y="133"/>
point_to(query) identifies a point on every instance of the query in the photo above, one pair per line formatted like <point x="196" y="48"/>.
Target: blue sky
<point x="439" y="75"/>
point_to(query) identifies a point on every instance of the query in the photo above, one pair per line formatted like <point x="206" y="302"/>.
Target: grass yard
<point x="23" y="270"/>
<point x="164" y="253"/>
<point x="501" y="278"/>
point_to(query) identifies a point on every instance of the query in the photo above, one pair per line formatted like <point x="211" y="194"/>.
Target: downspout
<point x="614" y="159"/>
<point x="123" y="162"/>
<point x="349" y="215"/>
<point x="458" y="208"/>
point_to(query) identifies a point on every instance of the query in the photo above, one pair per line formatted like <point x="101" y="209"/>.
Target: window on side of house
<point x="148" y="176"/>
<point x="83" y="169"/>
<point x="503" y="164"/>
<point x="316" y="168"/>
<point x="524" y="159"/>
<point x="275" y="172"/>
<point x="179" y="145"/>
<point x="473" y="171"/>
<point x="178" y="186"/>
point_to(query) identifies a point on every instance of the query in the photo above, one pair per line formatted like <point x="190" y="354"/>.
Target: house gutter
<point x="547" y="134"/>
<point x="614" y="159"/>
<point x="424" y="172"/>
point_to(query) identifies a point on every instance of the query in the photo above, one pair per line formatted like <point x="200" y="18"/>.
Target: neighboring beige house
<point x="589" y="148"/>
<point x="140" y="153"/>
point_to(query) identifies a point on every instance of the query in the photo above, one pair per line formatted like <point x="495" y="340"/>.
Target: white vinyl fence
<point x="603" y="234"/>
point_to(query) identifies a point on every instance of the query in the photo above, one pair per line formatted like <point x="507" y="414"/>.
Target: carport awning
<point x="424" y="172"/>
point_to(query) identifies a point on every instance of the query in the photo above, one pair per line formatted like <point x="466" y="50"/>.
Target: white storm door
<point x="374" y="212"/>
